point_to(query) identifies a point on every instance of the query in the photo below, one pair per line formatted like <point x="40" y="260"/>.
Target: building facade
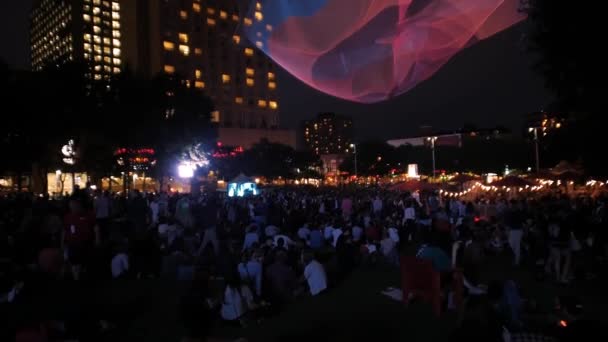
<point x="195" y="41"/>
<point x="328" y="133"/>
<point x="77" y="30"/>
<point x="198" y="42"/>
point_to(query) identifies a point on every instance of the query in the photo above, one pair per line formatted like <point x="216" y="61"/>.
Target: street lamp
<point x="432" y="140"/>
<point x="354" y="147"/>
<point x="535" y="131"/>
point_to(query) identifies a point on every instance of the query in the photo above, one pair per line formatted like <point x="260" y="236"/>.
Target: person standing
<point x="78" y="237"/>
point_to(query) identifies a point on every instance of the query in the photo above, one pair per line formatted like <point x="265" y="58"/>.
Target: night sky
<point x="488" y="84"/>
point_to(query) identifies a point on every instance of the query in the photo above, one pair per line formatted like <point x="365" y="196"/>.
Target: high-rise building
<point x="199" y="43"/>
<point x="77" y="30"/>
<point x="195" y="41"/>
<point x="328" y="133"/>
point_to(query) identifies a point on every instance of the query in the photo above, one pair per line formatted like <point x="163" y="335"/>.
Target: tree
<point x="565" y="36"/>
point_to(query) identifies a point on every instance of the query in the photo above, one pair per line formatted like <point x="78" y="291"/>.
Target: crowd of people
<point x="247" y="259"/>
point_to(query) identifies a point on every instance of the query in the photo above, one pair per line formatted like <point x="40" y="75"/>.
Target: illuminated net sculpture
<point x="371" y="50"/>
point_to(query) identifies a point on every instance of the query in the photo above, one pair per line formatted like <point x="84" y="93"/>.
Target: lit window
<point x="268" y="27"/>
<point x="198" y="51"/>
<point x="250" y="82"/>
<point x="248" y="52"/>
<point x="271" y="76"/>
<point x="238" y="100"/>
<point x="210" y="21"/>
<point x="187" y="82"/>
<point x="262" y="103"/>
<point x="236" y="39"/>
<point x="116" y="52"/>
<point x="169" y="46"/>
<point x="273" y="104"/>
<point x="116" y="61"/>
<point x="107" y="69"/>
<point x="169" y="69"/>
<point x="97" y="77"/>
<point x="235" y="17"/>
<point x="272" y="85"/>
<point x="96" y="10"/>
<point x="86" y="17"/>
<point x="106" y="41"/>
<point x="215" y="116"/>
<point x="96" y="20"/>
<point x="115" y="16"/>
<point x="247" y="21"/>
<point x="184" y="49"/>
<point x="87" y="37"/>
<point x="259" y="44"/>
<point x="259" y="16"/>
<point x="196" y="7"/>
<point x="210" y="11"/>
<point x="97" y="58"/>
<point x="183" y="14"/>
<point x="223" y="14"/>
<point x="197" y="74"/>
<point x="116" y="42"/>
<point x="115" y="25"/>
<point x="199" y="84"/>
<point x="116" y="34"/>
<point x="115" y="6"/>
<point x="98" y="68"/>
<point x="183" y="38"/>
<point x="225" y="78"/>
<point x="249" y="71"/>
<point x="87" y="47"/>
<point x="258" y="6"/>
<point x="107" y="60"/>
<point x="106" y="50"/>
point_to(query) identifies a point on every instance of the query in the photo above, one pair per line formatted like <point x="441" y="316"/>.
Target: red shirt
<point x="373" y="233"/>
<point x="78" y="228"/>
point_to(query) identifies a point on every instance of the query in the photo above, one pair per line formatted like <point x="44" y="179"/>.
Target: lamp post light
<point x="534" y="130"/>
<point x="354" y="147"/>
<point x="432" y="141"/>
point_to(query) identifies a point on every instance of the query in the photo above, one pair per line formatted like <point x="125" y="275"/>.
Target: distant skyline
<point x="489" y="84"/>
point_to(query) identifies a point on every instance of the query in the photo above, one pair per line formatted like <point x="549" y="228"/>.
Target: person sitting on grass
<point x="314" y="273"/>
<point x="238" y="300"/>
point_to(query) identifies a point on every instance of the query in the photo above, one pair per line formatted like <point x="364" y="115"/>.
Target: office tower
<point x="328" y="133"/>
<point x="77" y="30"/>
<point x="199" y="43"/>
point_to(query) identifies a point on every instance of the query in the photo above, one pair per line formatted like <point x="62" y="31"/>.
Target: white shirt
<point x="357" y="233"/>
<point x="328" y="232"/>
<point x="409" y="213"/>
<point x="336" y="235"/>
<point x="286" y="239"/>
<point x="235" y="305"/>
<point x="120" y="264"/>
<point x="393" y="233"/>
<point x="304" y="233"/>
<point x="377" y="205"/>
<point x="102" y="207"/>
<point x="316" y="278"/>
<point x="271" y="231"/>
<point x="250" y="239"/>
<point x="154" y="208"/>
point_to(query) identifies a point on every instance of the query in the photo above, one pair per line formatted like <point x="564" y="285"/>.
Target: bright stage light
<point x="185" y="170"/>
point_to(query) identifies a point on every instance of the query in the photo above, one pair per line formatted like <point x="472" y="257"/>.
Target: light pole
<point x="432" y="140"/>
<point x="354" y="147"/>
<point x="537" y="153"/>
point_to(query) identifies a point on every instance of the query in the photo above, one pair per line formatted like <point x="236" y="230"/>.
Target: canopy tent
<point x="242" y="186"/>
<point x="512" y="182"/>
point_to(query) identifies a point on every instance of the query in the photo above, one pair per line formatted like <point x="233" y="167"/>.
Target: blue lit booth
<point x="242" y="186"/>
